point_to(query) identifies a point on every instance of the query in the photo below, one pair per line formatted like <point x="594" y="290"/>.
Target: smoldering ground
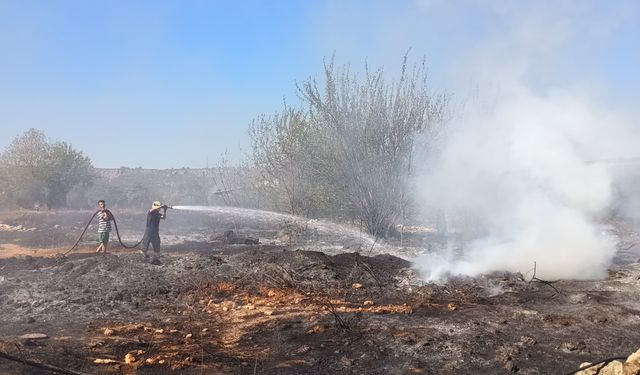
<point x="287" y="307"/>
<point x="533" y="163"/>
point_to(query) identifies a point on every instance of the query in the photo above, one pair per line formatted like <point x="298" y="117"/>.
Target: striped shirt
<point x="104" y="223"/>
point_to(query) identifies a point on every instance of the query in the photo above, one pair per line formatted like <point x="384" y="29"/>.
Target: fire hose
<point x="115" y="224"/>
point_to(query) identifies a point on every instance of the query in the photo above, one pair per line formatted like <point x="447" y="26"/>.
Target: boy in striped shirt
<point x="104" y="226"/>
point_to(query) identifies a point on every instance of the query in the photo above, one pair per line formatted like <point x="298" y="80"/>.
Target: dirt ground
<point x="301" y="301"/>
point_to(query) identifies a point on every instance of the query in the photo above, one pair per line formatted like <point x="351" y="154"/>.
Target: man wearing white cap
<point x="152" y="232"/>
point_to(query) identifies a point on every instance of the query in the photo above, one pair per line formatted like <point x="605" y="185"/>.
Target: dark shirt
<point x="153" y="222"/>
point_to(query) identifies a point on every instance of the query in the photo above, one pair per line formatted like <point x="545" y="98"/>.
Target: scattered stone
<point x="630" y="366"/>
<point x="104" y="361"/>
<point x="634" y="358"/>
<point x="612" y="368"/>
<point x="34" y="336"/>
<point x="129" y="358"/>
<point x="318" y="328"/>
<point x="108" y="332"/>
<point x="511" y="366"/>
<point x="600" y="319"/>
<point x="528" y="341"/>
<point x="357" y="286"/>
<point x="346" y="362"/>
<point x="569" y="347"/>
<point x="96" y="344"/>
<point x="302" y="349"/>
<point x="368" y="302"/>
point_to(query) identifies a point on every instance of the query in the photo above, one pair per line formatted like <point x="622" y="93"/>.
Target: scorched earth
<point x="286" y="296"/>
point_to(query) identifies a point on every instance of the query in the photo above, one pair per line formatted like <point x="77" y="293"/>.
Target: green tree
<point x="37" y="171"/>
<point x="66" y="168"/>
<point x="24" y="168"/>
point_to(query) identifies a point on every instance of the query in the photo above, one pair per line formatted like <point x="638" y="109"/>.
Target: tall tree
<point x="37" y="171"/>
<point x="24" y="167"/>
<point x="351" y="150"/>
<point x="280" y="146"/>
<point x="66" y="168"/>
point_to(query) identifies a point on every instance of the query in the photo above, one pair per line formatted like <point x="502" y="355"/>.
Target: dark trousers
<point x="154" y="240"/>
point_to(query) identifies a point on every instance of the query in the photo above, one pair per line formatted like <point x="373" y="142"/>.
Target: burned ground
<point x="283" y="307"/>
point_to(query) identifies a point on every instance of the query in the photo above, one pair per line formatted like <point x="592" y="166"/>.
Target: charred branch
<point x="44" y="366"/>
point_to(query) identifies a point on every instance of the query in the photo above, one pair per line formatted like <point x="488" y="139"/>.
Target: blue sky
<point x="170" y="84"/>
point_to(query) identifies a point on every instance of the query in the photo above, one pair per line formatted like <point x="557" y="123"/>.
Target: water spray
<point x="321" y="225"/>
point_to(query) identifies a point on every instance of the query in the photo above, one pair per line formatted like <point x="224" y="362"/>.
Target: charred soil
<point x="286" y="308"/>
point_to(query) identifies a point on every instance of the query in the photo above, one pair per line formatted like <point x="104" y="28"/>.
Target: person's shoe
<point x="155" y="262"/>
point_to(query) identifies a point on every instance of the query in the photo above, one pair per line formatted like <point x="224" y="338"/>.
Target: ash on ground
<point x="280" y="306"/>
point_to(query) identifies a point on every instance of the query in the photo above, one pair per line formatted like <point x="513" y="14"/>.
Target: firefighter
<point x="151" y="236"/>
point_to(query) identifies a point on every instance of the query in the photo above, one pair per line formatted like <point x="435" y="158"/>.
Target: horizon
<point x="172" y="86"/>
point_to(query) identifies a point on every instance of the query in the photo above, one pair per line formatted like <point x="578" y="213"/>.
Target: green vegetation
<point x="35" y="171"/>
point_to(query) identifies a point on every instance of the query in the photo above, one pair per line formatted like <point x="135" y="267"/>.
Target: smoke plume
<point x="523" y="172"/>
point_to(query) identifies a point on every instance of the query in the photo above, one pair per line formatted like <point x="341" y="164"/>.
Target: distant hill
<point x="137" y="187"/>
<point x="111" y="174"/>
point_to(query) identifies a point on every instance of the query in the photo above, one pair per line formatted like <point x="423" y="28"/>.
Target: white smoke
<point x="526" y="173"/>
<point x="523" y="163"/>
